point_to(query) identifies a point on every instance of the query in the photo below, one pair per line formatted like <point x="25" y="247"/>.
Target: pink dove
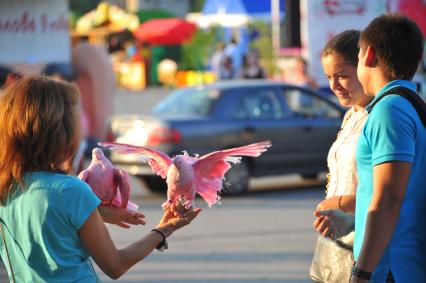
<point x="110" y="184"/>
<point x="187" y="175"/>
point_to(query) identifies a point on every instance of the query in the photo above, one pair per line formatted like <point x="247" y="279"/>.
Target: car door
<point x="318" y="120"/>
<point x="264" y="116"/>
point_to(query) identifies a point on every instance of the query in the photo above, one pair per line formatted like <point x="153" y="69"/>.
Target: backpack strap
<point x="411" y="96"/>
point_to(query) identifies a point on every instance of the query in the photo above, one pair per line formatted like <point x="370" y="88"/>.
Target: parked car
<point x="301" y="124"/>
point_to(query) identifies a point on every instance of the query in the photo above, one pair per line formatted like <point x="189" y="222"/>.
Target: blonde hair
<point x="40" y="129"/>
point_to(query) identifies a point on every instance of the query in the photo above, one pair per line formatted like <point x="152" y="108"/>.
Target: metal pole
<point x="275" y="15"/>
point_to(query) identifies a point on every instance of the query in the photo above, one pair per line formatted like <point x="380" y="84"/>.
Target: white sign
<point x="323" y="19"/>
<point x="34" y="31"/>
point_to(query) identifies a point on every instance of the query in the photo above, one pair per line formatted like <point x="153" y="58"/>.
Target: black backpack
<point x="411" y="96"/>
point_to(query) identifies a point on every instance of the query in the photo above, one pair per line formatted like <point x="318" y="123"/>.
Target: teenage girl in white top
<point x="339" y="60"/>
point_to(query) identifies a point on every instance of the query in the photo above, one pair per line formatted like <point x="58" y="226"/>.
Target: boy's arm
<point x="390" y="183"/>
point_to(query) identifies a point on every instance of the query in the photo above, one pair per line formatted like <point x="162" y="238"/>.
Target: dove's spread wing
<point x="159" y="161"/>
<point x="206" y="164"/>
<point x="211" y="168"/>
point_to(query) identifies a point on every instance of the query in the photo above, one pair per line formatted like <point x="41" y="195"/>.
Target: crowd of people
<point x="228" y="62"/>
<point x="375" y="189"/>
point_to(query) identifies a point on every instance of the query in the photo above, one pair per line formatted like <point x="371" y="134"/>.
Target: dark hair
<point x="346" y="45"/>
<point x="66" y="71"/>
<point x="4" y="72"/>
<point x="398" y="44"/>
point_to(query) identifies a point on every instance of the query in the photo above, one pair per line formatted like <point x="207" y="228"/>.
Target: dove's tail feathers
<point x="209" y="189"/>
<point x="254" y="149"/>
<point x="117" y="202"/>
<point x="132" y="206"/>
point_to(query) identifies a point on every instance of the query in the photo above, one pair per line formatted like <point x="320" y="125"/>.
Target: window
<point x="188" y="101"/>
<point x="259" y="104"/>
<point x="308" y="105"/>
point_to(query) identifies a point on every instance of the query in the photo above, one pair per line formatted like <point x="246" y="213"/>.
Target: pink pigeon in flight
<point x="110" y="184"/>
<point x="187" y="175"/>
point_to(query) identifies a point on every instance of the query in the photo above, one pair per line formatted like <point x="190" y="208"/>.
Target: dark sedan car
<point x="301" y="124"/>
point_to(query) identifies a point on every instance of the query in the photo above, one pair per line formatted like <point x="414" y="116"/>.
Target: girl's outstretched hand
<point x="176" y="218"/>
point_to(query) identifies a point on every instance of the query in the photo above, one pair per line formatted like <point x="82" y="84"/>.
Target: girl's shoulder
<point x="54" y="182"/>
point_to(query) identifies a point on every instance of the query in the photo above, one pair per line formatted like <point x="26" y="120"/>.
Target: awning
<point x="222" y="20"/>
<point x="170" y="31"/>
<point x="224" y="13"/>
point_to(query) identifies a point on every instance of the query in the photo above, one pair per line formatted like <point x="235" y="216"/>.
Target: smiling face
<point x="343" y="81"/>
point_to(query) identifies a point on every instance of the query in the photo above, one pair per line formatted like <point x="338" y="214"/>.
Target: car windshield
<point x="187" y="101"/>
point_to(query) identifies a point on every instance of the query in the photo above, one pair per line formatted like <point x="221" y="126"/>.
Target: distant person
<point x="390" y="222"/>
<point x="252" y="67"/>
<point x="216" y="60"/>
<point x="232" y="50"/>
<point x="50" y="226"/>
<point x="339" y="61"/>
<point x="114" y="44"/>
<point x="143" y="54"/>
<point x="300" y="75"/>
<point x="227" y="71"/>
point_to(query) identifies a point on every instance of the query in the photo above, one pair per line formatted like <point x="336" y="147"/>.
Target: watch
<point x="163" y="244"/>
<point x="359" y="273"/>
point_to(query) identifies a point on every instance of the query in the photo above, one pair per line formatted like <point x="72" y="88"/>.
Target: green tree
<point x="196" y="5"/>
<point x="196" y="53"/>
<point x="80" y="7"/>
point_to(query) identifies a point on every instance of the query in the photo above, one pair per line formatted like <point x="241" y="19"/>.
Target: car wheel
<point x="237" y="178"/>
<point x="155" y="184"/>
<point x="310" y="176"/>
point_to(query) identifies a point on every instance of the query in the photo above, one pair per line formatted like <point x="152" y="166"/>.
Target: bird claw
<point x="181" y="201"/>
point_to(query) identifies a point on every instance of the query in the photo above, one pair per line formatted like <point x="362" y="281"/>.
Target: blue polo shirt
<point x="394" y="132"/>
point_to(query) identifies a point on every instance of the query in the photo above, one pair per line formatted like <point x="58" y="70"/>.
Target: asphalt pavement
<point x="263" y="236"/>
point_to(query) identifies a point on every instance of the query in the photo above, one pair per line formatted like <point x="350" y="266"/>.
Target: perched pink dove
<point x="187" y="175"/>
<point x="110" y="184"/>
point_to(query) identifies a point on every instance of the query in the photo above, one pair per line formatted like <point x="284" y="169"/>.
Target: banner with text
<point x="322" y="19"/>
<point x="34" y="31"/>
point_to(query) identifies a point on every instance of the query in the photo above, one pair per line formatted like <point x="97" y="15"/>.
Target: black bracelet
<point x="359" y="273"/>
<point x="163" y="244"/>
